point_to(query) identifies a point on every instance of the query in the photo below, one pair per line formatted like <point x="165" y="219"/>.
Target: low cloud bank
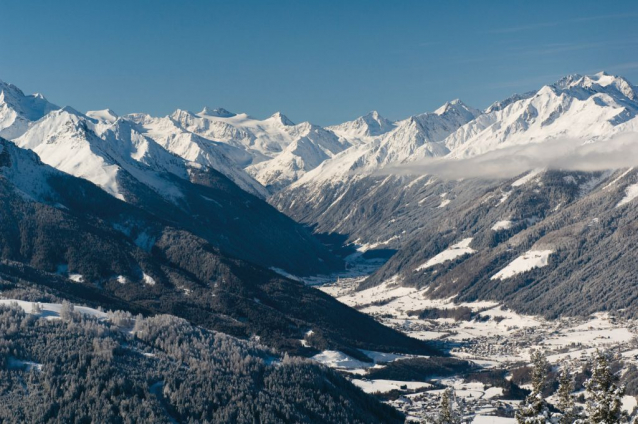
<point x="618" y="152"/>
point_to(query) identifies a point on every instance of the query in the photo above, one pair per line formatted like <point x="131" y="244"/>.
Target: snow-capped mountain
<point x="346" y="186"/>
<point x="312" y="145"/>
<point x="370" y="125"/>
<point x="223" y="157"/>
<point x="275" y="151"/>
<point x="587" y="108"/>
<point x="261" y="139"/>
<point x="122" y="156"/>
<point x="18" y="110"/>
<point x="68" y="141"/>
<point x="416" y="137"/>
<point x="344" y="194"/>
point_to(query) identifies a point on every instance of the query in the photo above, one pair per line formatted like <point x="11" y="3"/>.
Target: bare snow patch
<point x="78" y="278"/>
<point x="385" y="386"/>
<point x="530" y="260"/>
<point x="444" y="203"/>
<point x="502" y="225"/>
<point x="459" y="249"/>
<point x="147" y="279"/>
<point x="337" y="359"/>
<point x="369" y="246"/>
<point x="527" y="177"/>
<point x="51" y="310"/>
<point x="631" y="192"/>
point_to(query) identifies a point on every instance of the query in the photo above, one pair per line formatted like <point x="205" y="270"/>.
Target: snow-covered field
<point x="459" y="249"/>
<point x="51" y="310"/>
<point x="530" y="260"/>
<point x="384" y="386"/>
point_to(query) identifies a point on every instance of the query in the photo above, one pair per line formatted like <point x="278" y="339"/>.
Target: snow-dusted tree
<point x="36" y="308"/>
<point x="534" y="409"/>
<point x="449" y="412"/>
<point x="67" y="310"/>
<point x="604" y="403"/>
<point x="565" y="402"/>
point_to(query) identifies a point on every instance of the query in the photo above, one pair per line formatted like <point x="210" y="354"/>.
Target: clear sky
<point x="323" y="61"/>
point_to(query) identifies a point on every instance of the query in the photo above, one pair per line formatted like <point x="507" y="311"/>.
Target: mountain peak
<point x="105" y="115"/>
<point x="448" y="106"/>
<point x="599" y="82"/>
<point x="370" y="124"/>
<point x="374" y="115"/>
<point x="70" y="111"/>
<point x="20" y="109"/>
<point x="281" y="119"/>
<point x="218" y="112"/>
<point x="567" y="81"/>
<point x="457" y="107"/>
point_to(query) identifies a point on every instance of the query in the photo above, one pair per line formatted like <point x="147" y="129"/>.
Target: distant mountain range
<point x="212" y="216"/>
<point x="211" y="173"/>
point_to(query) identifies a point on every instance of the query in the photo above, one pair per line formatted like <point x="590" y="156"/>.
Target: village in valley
<point x="496" y="341"/>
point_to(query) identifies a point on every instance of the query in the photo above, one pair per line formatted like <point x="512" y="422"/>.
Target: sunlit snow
<point x="459" y="249"/>
<point x="530" y="260"/>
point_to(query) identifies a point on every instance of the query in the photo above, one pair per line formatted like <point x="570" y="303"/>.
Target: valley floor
<point x="485" y="333"/>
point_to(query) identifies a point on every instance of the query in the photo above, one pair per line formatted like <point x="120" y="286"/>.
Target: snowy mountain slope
<point x="274" y="151"/>
<point x="17" y="110"/>
<point x="263" y="139"/>
<point x="113" y="154"/>
<point x="343" y="195"/>
<point x="24" y="170"/>
<point x="80" y="242"/>
<point x="579" y="107"/>
<point x="68" y="141"/>
<point x="367" y="126"/>
<point x="312" y="145"/>
<point x="566" y="243"/>
<point x="340" y="194"/>
<point x="416" y="137"/>
<point x="223" y="157"/>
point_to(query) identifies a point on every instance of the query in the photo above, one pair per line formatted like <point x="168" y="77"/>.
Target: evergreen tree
<point x="565" y="399"/>
<point x="448" y="414"/>
<point x="604" y="403"/>
<point x="534" y="409"/>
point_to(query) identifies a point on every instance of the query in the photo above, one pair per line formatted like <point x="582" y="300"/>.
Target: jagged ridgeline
<point x="483" y="224"/>
<point x="202" y="188"/>
<point x="114" y="368"/>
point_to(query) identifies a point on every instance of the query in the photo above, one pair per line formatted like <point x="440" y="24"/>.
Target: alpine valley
<point x="216" y="267"/>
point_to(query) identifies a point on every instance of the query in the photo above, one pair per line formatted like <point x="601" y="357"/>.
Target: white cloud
<point x="569" y="154"/>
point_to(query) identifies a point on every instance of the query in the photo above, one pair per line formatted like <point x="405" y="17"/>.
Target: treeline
<point x="127" y="369"/>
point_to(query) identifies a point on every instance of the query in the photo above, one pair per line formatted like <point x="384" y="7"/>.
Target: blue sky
<point x="322" y="61"/>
